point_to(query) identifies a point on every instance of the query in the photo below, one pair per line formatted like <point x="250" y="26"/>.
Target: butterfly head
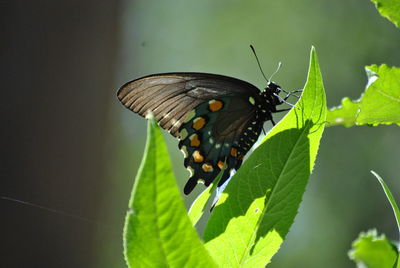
<point x="271" y="93"/>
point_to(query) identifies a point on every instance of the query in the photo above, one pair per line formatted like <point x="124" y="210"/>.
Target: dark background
<point x="67" y="144"/>
<point x="57" y="67"/>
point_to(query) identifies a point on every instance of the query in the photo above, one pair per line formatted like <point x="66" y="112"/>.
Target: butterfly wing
<point x="213" y="140"/>
<point x="210" y="114"/>
<point x="171" y="96"/>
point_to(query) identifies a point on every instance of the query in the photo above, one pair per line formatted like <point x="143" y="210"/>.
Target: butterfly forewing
<point x="171" y="96"/>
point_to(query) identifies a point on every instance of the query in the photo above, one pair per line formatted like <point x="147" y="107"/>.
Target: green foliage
<point x="257" y="209"/>
<point x="379" y="104"/>
<point x="373" y="251"/>
<point x="261" y="201"/>
<point x="157" y="231"/>
<point x="389" y="9"/>
<point x="345" y="114"/>
<point x="258" y="206"/>
<point x="201" y="203"/>
<point x="390" y="198"/>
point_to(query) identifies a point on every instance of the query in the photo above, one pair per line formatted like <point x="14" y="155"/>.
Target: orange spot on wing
<point x="199" y="123"/>
<point x="221" y="164"/>
<point x="215" y="105"/>
<point x="197" y="157"/>
<point x="194" y="140"/>
<point x="234" y="152"/>
<point x="207" y="167"/>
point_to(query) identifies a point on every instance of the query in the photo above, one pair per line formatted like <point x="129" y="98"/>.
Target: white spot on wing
<point x="184" y="151"/>
<point x="201" y="181"/>
<point x="191" y="170"/>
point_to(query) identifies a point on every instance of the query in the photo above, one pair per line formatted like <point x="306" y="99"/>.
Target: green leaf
<point x="389" y="9"/>
<point x="373" y="251"/>
<point x="390" y="198"/>
<point x="379" y="104"/>
<point x="345" y="114"/>
<point x="259" y="205"/>
<point x="157" y="231"/>
<point x="381" y="101"/>
<point x="199" y="205"/>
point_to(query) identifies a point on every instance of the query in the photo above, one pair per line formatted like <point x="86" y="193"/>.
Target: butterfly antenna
<point x="277" y="69"/>
<point x="258" y="62"/>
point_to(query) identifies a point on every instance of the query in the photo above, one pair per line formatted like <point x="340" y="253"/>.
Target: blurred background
<point x="67" y="144"/>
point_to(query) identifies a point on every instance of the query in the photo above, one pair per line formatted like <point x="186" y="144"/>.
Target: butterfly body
<point x="216" y="118"/>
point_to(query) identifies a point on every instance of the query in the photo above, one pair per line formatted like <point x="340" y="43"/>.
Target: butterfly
<point x="216" y="118"/>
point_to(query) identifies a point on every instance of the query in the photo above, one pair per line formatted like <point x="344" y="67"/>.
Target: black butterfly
<point x="216" y="118"/>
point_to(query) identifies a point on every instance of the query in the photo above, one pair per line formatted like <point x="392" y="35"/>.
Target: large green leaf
<point x="157" y="231"/>
<point x="259" y="205"/>
<point x="389" y="9"/>
<point x="372" y="251"/>
<point x="379" y="104"/>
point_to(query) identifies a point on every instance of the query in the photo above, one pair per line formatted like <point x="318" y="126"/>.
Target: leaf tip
<point x="313" y="50"/>
<point x="376" y="175"/>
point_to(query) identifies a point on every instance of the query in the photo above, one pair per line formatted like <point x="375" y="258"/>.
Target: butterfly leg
<point x="283" y="100"/>
<point x="290" y="93"/>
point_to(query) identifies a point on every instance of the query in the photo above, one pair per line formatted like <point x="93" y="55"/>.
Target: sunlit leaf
<point x="390" y="198"/>
<point x="199" y="206"/>
<point x="157" y="231"/>
<point x="395" y="208"/>
<point x="259" y="205"/>
<point x="379" y="104"/>
<point x="372" y="251"/>
<point x="389" y="9"/>
<point x="381" y="101"/>
<point x="345" y="114"/>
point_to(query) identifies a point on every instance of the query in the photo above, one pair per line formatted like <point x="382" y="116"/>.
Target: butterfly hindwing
<point x="210" y="139"/>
